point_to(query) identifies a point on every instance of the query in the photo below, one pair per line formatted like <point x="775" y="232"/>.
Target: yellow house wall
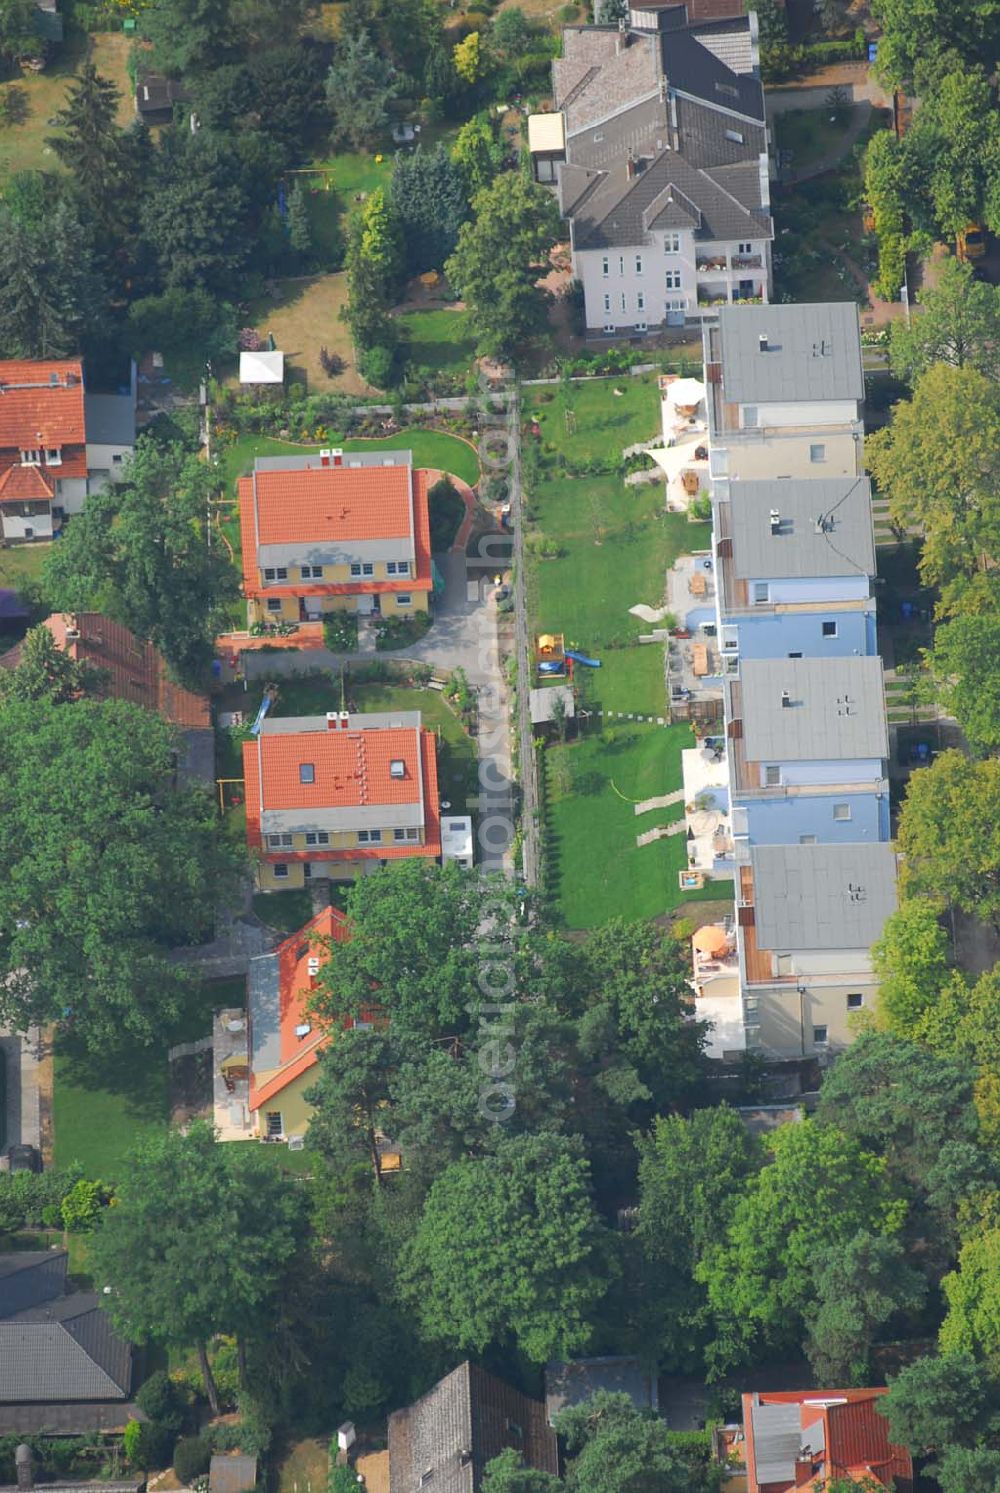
<point x="289" y="610"/>
<point x="291" y="1105"/>
<point x="418" y="602"/>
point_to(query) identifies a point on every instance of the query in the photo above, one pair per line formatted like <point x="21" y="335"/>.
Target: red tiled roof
<point x="25" y="483"/>
<point x="855" y="1440"/>
<point x="35" y="411"/>
<point x="338" y="758"/>
<point x="375" y="510"/>
<point x="136" y="671"/>
<point x="332" y="503"/>
<point x="295" y="985"/>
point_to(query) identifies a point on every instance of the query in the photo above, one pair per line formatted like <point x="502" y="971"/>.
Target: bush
<point x="378" y="366"/>
<point x="192" y="1456"/>
<point x="340" y="632"/>
<point x="147" y="1444"/>
<point x="81" y="1207"/>
<point x="162" y="1400"/>
<point x="342" y="1479"/>
<point x="400" y="632"/>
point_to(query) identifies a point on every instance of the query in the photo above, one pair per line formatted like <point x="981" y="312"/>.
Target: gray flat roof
<point x="314" y="459"/>
<point x="776" y="1438"/>
<point x="822" y="896"/>
<point x="372" y="720"/>
<point x="110" y="419"/>
<point x="813" y="352"/>
<point x="825" y="528"/>
<point x="264" y="1002"/>
<point x="835" y="709"/>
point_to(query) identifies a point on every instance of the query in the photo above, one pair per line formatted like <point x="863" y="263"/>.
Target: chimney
<point x="333" y="720"/>
<point x="25" y="1472"/>
<point x="338" y="457"/>
<point x="762" y="342"/>
<point x="630" y="166"/>
<point x="345" y="720"/>
<point x="786" y="699"/>
<point x="775" y="520"/>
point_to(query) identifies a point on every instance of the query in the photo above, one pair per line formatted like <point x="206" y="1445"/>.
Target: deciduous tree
<point x="499" y="259"/>
<point x="508" y="1474"/>
<point x="963" y="663"/>
<point x="615" y="1448"/>
<point x="938" y="462"/>
<point x="958" y="324"/>
<point x="510" y="1249"/>
<point x="138" y="551"/>
<point x="939" y="1401"/>
<point x="946" y="833"/>
<point x="820" y="1189"/>
<point x="108" y="864"/>
<point x="478" y="153"/>
<point x="911" y="961"/>
<point x="166" y="1248"/>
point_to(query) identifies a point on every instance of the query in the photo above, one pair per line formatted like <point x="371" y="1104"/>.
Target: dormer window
<point x="397" y="768"/>
<point x="53" y="456"/>
<point x="31" y="457"/>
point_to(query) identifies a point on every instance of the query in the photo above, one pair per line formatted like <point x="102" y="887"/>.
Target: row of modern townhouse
<point x="791" y="799"/>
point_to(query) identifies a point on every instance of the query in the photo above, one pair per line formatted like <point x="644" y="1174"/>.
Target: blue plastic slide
<point x="265" y="706"/>
<point x="581" y="658"/>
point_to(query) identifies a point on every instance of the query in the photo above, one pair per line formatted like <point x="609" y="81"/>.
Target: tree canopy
<point x="108" y="864"/>
<point x="946" y="833"/>
<point x="45" y="671"/>
<point x="138" y="552"/>
<point x="166" y="1247"/>
<point x="500" y="256"/>
<point x="510" y="1249"/>
<point x="938" y="463"/>
<point x="958" y="324"/>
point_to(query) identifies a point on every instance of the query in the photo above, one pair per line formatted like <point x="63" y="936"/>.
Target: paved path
<point x="23" y="1117"/>
<point x="663" y="802"/>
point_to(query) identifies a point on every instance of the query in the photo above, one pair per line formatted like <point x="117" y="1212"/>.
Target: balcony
<point x="713" y="295"/>
<point x="748" y="261"/>
<point x="708" y="264"/>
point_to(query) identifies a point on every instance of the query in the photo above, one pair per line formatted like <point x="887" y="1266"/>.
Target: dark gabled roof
<point x="29" y="1278"/>
<point x="667" y="192"/>
<point x="691" y="68"/>
<point x="55" y="1347"/>
<point x="459" y="1426"/>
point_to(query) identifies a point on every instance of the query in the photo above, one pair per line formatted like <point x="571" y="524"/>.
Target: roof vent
<point x="822" y="349"/>
<point x="397" y="768"/>
<point x="786" y="699"/>
<point x="856" y="892"/>
<point x="775" y="520"/>
<point x="762" y="342"/>
<point x="303" y="1030"/>
<point x="313" y="965"/>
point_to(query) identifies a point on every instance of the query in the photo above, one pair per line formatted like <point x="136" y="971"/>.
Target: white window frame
<point x="31" y="456"/>
<point x="824" y="1040"/>
<point x="817" y="453"/>
<point x="671" y="243"/>
<point x="825" y="625"/>
<point x="280" y="871"/>
<point x="605" y="266"/>
<point x="367" y="568"/>
<point x="772" y="775"/>
<point x="609" y="327"/>
<point x="316" y="837"/>
<point x="403" y="598"/>
<point x="638" y="264"/>
<point x="273" y="1129"/>
<point x="607" y="303"/>
<point x="761" y="593"/>
<point x="274" y="603"/>
<point x="355" y="567"/>
<point x="53" y="456"/>
<point x="369" y="837"/>
<point x="640" y="301"/>
<point x="621" y="264"/>
<point x="842" y="814"/>
<point x="858" y="999"/>
<point x="744" y="248"/>
<point x="673" y="279"/>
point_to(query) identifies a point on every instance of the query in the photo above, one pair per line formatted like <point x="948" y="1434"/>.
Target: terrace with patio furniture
<point x="683" y="456"/>
<point x="706" y="808"/>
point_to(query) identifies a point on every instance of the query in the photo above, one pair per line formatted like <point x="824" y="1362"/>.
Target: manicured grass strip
<point x="597" y="869"/>
<point x="101" y="1110"/>
<point x="431" y="448"/>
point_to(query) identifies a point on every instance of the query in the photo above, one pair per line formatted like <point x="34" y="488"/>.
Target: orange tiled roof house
<point x="336" y="796"/>
<point x="57" y="444"/>
<point x="799" y="1440"/>
<point x="332" y="532"/>
<point x="285" y="1040"/>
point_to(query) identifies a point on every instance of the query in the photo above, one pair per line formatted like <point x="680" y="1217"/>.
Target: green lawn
<point x="811" y="134"/>
<point x="441" y="340"/>
<point x="630" y="680"/>
<point x="598" y="872"/>
<point x="285" y="911"/>
<point x="103" y="1107"/>
<point x="22" y="563"/>
<point x="605" y="421"/>
<point x="431" y="448"/>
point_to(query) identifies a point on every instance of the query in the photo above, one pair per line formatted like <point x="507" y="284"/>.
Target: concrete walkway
<point x="663" y="802"/>
<point x="23" y="1115"/>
